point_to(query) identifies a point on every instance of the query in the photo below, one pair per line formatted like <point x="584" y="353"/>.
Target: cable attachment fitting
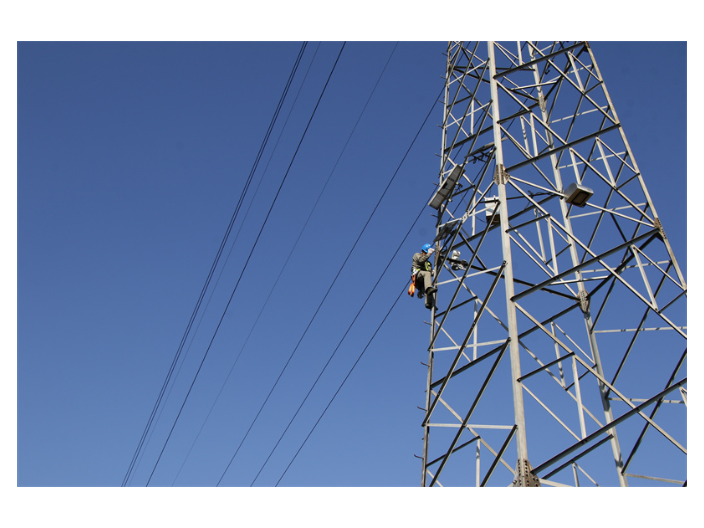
<point x="500" y="175"/>
<point x="542" y="103"/>
<point x="584" y="301"/>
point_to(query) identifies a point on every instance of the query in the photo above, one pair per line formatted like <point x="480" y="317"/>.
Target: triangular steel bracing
<point x="558" y="342"/>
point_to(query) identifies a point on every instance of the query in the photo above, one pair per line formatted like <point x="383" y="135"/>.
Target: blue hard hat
<point x="426" y="247"/>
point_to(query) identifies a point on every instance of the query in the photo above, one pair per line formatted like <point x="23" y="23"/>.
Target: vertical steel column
<point x="426" y="427"/>
<point x="500" y="179"/>
<point x="583" y="294"/>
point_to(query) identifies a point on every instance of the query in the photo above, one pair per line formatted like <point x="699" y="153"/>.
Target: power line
<point x="342" y="384"/>
<point x="213" y="267"/>
<point x="256" y="191"/>
<point x="300" y="234"/>
<point x="343" y="338"/>
<point x="327" y="292"/>
<point x="247" y="261"/>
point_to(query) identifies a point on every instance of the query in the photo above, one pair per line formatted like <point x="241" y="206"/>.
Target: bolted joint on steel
<point x="524" y="478"/>
<point x="542" y="103"/>
<point x="584" y="301"/>
<point x="500" y="175"/>
<point x="658" y="225"/>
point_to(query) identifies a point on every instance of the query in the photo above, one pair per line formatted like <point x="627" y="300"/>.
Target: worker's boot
<point x="429" y="297"/>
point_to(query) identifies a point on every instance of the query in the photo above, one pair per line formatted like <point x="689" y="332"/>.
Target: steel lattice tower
<point x="558" y="342"/>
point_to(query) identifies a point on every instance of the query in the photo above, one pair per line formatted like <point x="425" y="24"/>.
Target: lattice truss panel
<point x="597" y="385"/>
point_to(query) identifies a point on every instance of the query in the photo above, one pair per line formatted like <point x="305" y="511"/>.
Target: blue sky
<point x="131" y="158"/>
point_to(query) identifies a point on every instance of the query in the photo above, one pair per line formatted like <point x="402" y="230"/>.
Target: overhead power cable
<point x="327" y="293"/>
<point x="213" y="267"/>
<point x="288" y="258"/>
<point x="205" y="355"/>
<point x="246" y="214"/>
<point x="349" y="373"/>
<point x="341" y="341"/>
<point x="353" y="320"/>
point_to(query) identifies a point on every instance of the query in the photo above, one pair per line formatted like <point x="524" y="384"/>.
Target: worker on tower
<point x="422" y="274"/>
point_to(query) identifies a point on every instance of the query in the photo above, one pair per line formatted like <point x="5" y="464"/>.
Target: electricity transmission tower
<point x="558" y="342"/>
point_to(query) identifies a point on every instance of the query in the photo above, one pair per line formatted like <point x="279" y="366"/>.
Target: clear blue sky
<point x="131" y="160"/>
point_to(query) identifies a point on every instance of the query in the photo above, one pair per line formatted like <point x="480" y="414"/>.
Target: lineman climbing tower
<point x="558" y="341"/>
